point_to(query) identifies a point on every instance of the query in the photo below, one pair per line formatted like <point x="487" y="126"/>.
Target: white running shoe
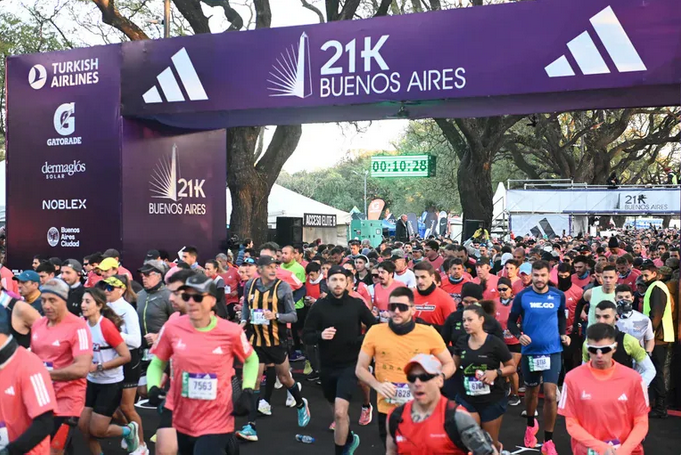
<point x="264" y="408"/>
<point x="277" y="384"/>
<point x="141" y="450"/>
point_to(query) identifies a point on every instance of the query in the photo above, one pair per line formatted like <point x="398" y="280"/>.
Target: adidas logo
<point x="171" y="89"/>
<point x="10" y="391"/>
<point x="56" y="343"/>
<point x="616" y="42"/>
<point x="218" y="350"/>
<point x="622" y="397"/>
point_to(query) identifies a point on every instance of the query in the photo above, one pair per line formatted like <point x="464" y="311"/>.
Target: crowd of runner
<point x="447" y="335"/>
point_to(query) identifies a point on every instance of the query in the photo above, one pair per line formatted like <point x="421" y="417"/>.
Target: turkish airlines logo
<point x="590" y="61"/>
<point x="169" y="85"/>
<point x="291" y="75"/>
<point x="37" y="77"/>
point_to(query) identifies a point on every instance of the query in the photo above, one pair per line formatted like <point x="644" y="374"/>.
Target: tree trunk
<point x="475" y="188"/>
<point x="666" y="219"/>
<point x="619" y="220"/>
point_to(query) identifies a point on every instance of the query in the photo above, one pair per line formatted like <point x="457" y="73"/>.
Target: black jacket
<point x="401" y="231"/>
<point x="346" y="315"/>
<point x="75" y="299"/>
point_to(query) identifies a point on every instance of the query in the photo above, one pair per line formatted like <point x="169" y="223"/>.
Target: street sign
<point x="403" y="166"/>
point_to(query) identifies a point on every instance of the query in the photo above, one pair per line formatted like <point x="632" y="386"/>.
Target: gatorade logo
<point x="542" y="305"/>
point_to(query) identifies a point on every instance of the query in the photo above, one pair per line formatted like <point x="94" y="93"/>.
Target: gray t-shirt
<point x="638" y="326"/>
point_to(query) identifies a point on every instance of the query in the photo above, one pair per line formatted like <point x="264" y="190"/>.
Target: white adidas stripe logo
<point x="171" y="89"/>
<point x="616" y="43"/>
<point x="217" y="350"/>
<point x="10" y="391"/>
<point x="622" y="397"/>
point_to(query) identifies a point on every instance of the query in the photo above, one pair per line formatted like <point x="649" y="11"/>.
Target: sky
<point x="321" y="145"/>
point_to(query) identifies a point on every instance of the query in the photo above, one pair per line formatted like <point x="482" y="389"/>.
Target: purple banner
<point x="521" y="57"/>
<point x="174" y="192"/>
<point x="63" y="154"/>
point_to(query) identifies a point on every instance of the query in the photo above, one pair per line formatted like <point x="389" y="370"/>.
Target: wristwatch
<point x="100" y="367"/>
<point x="499" y="372"/>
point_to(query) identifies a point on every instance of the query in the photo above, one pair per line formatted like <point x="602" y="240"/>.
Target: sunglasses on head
<point x="403" y="307"/>
<point x="603" y="349"/>
<point x="423" y="377"/>
<point x="198" y="298"/>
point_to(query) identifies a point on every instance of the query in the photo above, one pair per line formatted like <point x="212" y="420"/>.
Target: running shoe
<point x="296" y="356"/>
<point x="308" y="368"/>
<point x="141" y="450"/>
<point x="548" y="448"/>
<point x="313" y="376"/>
<point x="248" y="433"/>
<point x="132" y="439"/>
<point x="522" y="389"/>
<point x="366" y="416"/>
<point x="524" y="413"/>
<point x="277" y="384"/>
<point x="124" y="445"/>
<point x="153" y="438"/>
<point x="264" y="408"/>
<point x="290" y="401"/>
<point x="304" y="414"/>
<point x="332" y="427"/>
<point x="351" y="446"/>
<point x="530" y="440"/>
<point x="514" y="400"/>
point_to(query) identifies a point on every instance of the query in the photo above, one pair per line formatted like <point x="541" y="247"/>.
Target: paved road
<point x="278" y="431"/>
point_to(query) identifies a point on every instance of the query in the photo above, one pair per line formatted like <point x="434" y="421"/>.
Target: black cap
<point x="583" y="248"/>
<point x="266" y="260"/>
<point x="471" y="290"/>
<point x="613" y="243"/>
<point x="335" y="270"/>
<point x="546" y="256"/>
<point x="201" y="283"/>
<point x="152" y="254"/>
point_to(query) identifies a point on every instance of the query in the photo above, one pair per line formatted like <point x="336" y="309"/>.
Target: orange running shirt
<point x="604" y="404"/>
<point x="27" y="392"/>
<point x="392" y="352"/>
<point x="200" y="393"/>
<point x="57" y="346"/>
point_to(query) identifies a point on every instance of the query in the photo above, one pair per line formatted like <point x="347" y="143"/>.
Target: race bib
<point x="49" y="366"/>
<point x="258" y="317"/>
<point x="540" y="363"/>
<point x="474" y="387"/>
<point x="200" y="386"/>
<point x="508" y="335"/>
<point x="228" y="289"/>
<point x="615" y="443"/>
<point x="4" y="436"/>
<point x="147" y="356"/>
<point x="402" y="394"/>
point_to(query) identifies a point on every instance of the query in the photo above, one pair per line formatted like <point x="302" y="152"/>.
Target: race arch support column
<point x="174" y="194"/>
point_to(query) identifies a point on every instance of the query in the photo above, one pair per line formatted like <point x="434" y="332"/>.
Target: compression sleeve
<point x="40" y="428"/>
<point x="562" y="320"/>
<point x="250" y="371"/>
<point x="299" y="293"/>
<point x="155" y="372"/>
<point x="579" y="434"/>
<point x="646" y="369"/>
<point x="516" y="311"/>
<point x="636" y="436"/>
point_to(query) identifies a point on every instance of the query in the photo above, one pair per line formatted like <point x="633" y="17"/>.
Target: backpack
<point x="450" y="423"/>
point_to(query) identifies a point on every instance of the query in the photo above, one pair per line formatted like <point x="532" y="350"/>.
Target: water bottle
<point x="305" y="439"/>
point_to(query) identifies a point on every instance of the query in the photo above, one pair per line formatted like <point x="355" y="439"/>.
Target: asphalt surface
<point x="277" y="432"/>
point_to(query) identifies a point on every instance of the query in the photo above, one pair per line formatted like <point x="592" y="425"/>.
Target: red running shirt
<point x="604" y="404"/>
<point x="434" y="307"/>
<point x="382" y="295"/>
<point x="27" y="392"/>
<point x="57" y="346"/>
<point x="203" y="364"/>
<point x="427" y="437"/>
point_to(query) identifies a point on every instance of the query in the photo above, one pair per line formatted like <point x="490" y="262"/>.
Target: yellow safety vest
<point x="667" y="321"/>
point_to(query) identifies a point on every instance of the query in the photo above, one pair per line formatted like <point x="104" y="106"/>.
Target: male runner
<point x="392" y="345"/>
<point x="433" y="305"/>
<point x="599" y="293"/>
<point x="631" y="321"/>
<point x="289" y="263"/>
<point x="486" y="279"/>
<point x="64" y="344"/>
<point x="542" y="309"/>
<point x="605" y="404"/>
<point x="455" y="280"/>
<point x="29" y="288"/>
<point x="402" y="272"/>
<point x="268" y="307"/>
<point x="334" y="323"/>
<point x="385" y="285"/>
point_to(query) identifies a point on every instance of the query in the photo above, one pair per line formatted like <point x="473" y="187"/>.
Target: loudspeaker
<point x="469" y="228"/>
<point x="289" y="230"/>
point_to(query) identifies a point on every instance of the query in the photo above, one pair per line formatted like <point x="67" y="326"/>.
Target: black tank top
<point x="22" y="340"/>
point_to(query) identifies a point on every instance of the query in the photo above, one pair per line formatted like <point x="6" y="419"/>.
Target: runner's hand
<point x="565" y="340"/>
<point x="156" y="396"/>
<point x="610" y="451"/>
<point x="489" y="377"/>
<point x="269" y="315"/>
<point x="244" y="403"/>
<point x="525" y="340"/>
<point x="328" y="333"/>
<point x="151" y="338"/>
<point x="387" y="389"/>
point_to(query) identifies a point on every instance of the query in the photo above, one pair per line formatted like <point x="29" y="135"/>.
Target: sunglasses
<point x="423" y="377"/>
<point x="504" y="289"/>
<point x="603" y="349"/>
<point x="198" y="298"/>
<point x="109" y="288"/>
<point x="374" y="276"/>
<point x="403" y="307"/>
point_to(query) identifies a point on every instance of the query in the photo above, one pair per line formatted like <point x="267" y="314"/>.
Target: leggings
<point x="213" y="444"/>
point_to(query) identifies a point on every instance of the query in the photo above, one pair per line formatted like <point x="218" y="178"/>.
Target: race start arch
<point x="124" y="145"/>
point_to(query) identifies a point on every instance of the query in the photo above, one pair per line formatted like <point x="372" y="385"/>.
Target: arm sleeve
<point x="40" y="428"/>
<point x="644" y="365"/>
<point x="312" y="331"/>
<point x="299" y="293"/>
<point x="446" y="331"/>
<point x="516" y="311"/>
<point x="578" y="311"/>
<point x="638" y="433"/>
<point x="562" y="320"/>
<point x="132" y="325"/>
<point x="285" y="296"/>
<point x="155" y="372"/>
<point x="250" y="371"/>
<point x="658" y="302"/>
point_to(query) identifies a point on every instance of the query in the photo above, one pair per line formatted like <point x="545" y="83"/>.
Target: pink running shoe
<point x="332" y="427"/>
<point x="366" y="416"/>
<point x="531" y="436"/>
<point x="548" y="448"/>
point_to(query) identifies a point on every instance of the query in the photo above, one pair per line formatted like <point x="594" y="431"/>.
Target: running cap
<point x="266" y="260"/>
<point x="114" y="281"/>
<point x="108" y="264"/>
<point x="248" y="261"/>
<point x="27" y="275"/>
<point x="152" y="254"/>
<point x="428" y="362"/>
<point x="201" y="283"/>
<point x="57" y="287"/>
<point x="525" y="269"/>
<point x="74" y="264"/>
<point x="151" y="266"/>
<point x="336" y="269"/>
<point x="397" y="254"/>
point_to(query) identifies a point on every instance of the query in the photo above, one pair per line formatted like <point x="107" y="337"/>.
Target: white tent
<point x="499" y="201"/>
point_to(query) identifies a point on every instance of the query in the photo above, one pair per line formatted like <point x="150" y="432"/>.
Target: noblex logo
<point x="169" y="85"/>
<point x="590" y="61"/>
<point x="291" y="75"/>
<point x="37" y="77"/>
